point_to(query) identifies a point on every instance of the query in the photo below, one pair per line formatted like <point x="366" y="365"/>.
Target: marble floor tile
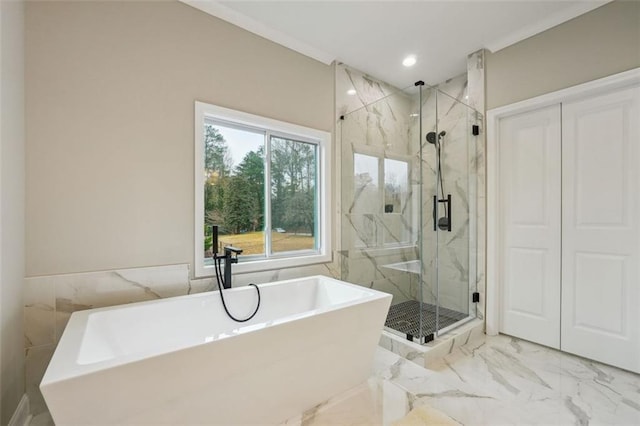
<point x="503" y="380"/>
<point x="491" y="381"/>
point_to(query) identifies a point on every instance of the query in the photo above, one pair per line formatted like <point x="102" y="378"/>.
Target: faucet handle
<point x="229" y="249"/>
<point x="232" y="253"/>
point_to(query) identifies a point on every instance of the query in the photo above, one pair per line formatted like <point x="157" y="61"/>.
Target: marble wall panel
<point x="475" y="77"/>
<point x="50" y="301"/>
<point x="367" y="89"/>
<point x="39" y="313"/>
<point x="373" y="270"/>
<point x="76" y="292"/>
<point x="262" y="277"/>
<point x="375" y="129"/>
<point x="476" y="94"/>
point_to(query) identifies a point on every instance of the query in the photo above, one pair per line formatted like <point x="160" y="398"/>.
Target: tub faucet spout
<point x="230" y="257"/>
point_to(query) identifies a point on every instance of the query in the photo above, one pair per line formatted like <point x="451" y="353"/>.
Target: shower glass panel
<point x="407" y="175"/>
<point x="381" y="200"/>
<point x="451" y="153"/>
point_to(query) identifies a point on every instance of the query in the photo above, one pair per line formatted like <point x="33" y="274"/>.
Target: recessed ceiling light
<point x="351" y="92"/>
<point x="409" y="61"/>
<point x="414" y="115"/>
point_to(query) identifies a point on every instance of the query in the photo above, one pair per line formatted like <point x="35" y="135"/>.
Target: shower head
<point x="431" y="136"/>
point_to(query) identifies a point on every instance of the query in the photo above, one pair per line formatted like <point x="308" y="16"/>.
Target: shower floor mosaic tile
<point x="405" y="317"/>
<point x="495" y="380"/>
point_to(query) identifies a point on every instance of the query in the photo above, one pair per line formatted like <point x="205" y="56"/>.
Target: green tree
<point x="293" y="175"/>
<point x="278" y="183"/>
<point x="252" y="170"/>
<point x="217" y="164"/>
<point x="217" y="158"/>
<point x="238" y="205"/>
<point x="300" y="212"/>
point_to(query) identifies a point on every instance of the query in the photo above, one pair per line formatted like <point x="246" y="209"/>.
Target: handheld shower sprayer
<point x="444" y="222"/>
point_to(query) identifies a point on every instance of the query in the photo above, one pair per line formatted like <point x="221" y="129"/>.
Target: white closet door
<point x="529" y="150"/>
<point x="601" y="228"/>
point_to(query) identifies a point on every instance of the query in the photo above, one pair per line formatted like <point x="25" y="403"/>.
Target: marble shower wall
<point x="476" y="93"/>
<point x="378" y="186"/>
<point x="382" y="122"/>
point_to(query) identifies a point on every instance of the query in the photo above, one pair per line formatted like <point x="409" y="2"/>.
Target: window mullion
<point x="318" y="186"/>
<point x="267" y="194"/>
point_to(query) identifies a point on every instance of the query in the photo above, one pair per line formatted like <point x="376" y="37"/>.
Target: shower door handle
<point x="449" y="212"/>
<point x="447" y="202"/>
<point x="435" y="212"/>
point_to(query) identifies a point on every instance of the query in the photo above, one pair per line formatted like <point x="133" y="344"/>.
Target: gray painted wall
<point x="602" y="42"/>
<point x="110" y="104"/>
<point x="12" y="160"/>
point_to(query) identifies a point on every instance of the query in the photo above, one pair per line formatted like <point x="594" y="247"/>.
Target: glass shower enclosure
<point x="408" y="207"/>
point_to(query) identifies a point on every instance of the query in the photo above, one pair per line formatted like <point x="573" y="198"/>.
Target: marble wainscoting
<point x="50" y="301"/>
<point x="326" y="269"/>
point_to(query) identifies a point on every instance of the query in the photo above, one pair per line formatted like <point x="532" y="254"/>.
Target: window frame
<point x="275" y="128"/>
<point x="380" y="155"/>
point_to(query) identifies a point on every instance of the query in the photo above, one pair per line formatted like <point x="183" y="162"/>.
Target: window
<point x="382" y="203"/>
<point x="265" y="184"/>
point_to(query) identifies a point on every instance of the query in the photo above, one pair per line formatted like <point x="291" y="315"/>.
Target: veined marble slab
<point x="50" y="301"/>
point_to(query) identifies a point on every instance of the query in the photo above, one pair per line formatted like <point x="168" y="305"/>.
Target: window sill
<point x="268" y="265"/>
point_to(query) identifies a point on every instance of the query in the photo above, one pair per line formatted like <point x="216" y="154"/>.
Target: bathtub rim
<point x="63" y="364"/>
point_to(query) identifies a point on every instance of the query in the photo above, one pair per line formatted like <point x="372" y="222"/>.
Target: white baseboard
<point x="21" y="416"/>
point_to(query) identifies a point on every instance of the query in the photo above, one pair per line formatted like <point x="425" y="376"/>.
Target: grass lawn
<point x="253" y="242"/>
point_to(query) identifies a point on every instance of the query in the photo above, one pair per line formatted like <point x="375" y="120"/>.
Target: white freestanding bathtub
<point x="183" y="361"/>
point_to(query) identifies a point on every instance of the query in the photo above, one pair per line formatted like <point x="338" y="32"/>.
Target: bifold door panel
<point x="529" y="150"/>
<point x="601" y="229"/>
